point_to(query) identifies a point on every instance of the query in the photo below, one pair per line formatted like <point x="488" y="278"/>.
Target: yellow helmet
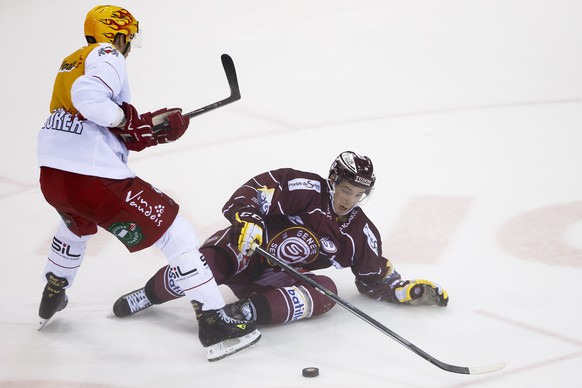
<point x="105" y="21"/>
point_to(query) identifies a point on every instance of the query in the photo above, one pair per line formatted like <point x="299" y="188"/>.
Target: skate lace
<point x="137" y="301"/>
<point x="246" y="311"/>
<point x="227" y="318"/>
<point x="236" y="313"/>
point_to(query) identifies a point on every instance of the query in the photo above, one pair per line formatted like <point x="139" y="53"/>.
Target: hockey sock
<point x="286" y="304"/>
<point x="161" y="288"/>
<point x="187" y="268"/>
<point x="65" y="254"/>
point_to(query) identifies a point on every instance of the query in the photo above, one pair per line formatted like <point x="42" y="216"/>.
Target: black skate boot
<point x="131" y="303"/>
<point x="53" y="299"/>
<point x="227" y="330"/>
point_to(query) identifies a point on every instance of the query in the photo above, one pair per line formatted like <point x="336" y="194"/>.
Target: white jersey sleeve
<point x="98" y="93"/>
<point x="84" y="144"/>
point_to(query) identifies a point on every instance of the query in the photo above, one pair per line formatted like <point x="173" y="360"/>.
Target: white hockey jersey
<point x="90" y="86"/>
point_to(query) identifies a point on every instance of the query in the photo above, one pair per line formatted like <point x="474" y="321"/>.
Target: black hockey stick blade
<point x="365" y="317"/>
<point x="230" y="71"/>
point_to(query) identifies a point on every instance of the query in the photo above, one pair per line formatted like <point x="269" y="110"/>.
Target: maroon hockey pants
<point x="132" y="209"/>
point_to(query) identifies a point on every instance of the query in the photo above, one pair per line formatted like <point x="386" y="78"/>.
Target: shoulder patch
<point x="264" y="197"/>
<point x="372" y="240"/>
<point x="304" y="184"/>
<point x="106" y="50"/>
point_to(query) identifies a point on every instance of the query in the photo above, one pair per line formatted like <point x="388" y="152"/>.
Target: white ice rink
<point x="471" y="112"/>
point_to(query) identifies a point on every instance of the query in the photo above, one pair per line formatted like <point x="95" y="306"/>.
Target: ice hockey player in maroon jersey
<point x="312" y="223"/>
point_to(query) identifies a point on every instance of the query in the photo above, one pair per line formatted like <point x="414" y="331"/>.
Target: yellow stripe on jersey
<point x="72" y="68"/>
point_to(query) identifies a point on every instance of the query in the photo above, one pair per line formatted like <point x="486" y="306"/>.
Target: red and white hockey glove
<point x="177" y="124"/>
<point x="136" y="131"/>
<point x="421" y="292"/>
<point x="246" y="231"/>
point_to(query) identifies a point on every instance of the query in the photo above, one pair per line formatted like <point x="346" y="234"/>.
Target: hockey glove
<point x="136" y="131"/>
<point x="247" y="230"/>
<point x="421" y="293"/>
<point x="177" y="124"/>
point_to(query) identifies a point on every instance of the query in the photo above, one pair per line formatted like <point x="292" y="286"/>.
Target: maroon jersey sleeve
<point x="374" y="274"/>
<point x="276" y="193"/>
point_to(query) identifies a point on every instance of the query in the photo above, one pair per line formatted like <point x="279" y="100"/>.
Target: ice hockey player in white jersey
<point x="83" y="152"/>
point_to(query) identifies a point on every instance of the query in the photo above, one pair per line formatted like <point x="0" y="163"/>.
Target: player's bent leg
<point x="223" y="329"/>
<point x="286" y="304"/>
<point x="158" y="289"/>
<point x="162" y="287"/>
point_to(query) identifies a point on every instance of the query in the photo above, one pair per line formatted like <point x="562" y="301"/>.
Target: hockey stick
<point x="354" y="310"/>
<point x="230" y="72"/>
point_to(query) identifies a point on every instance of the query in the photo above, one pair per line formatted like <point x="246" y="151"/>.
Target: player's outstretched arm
<point x="391" y="288"/>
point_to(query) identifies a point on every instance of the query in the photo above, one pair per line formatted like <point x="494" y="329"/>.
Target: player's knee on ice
<point x="286" y="304"/>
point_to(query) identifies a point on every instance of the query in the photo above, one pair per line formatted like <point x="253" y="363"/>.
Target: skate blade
<point x="230" y="346"/>
<point x="42" y="323"/>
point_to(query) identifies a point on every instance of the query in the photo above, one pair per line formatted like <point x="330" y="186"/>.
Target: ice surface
<point x="471" y="112"/>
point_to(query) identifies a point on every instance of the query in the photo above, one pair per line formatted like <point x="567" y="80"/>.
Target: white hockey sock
<point x="65" y="254"/>
<point x="188" y="267"/>
<point x="195" y="279"/>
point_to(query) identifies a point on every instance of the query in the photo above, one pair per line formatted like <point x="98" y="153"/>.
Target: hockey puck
<point x="310" y="372"/>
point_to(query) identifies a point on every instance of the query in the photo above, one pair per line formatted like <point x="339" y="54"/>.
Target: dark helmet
<point x="353" y="168"/>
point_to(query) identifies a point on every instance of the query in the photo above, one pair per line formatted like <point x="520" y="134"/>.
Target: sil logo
<point x="63" y="249"/>
<point x="129" y="233"/>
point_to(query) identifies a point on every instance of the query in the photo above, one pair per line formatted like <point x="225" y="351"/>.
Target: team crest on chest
<point x="296" y="245"/>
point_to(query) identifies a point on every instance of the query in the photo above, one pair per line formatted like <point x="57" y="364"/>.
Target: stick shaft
<point x="366" y="318"/>
<point x="230" y="71"/>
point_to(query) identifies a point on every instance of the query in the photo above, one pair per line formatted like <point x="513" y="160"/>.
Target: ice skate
<point x="54" y="298"/>
<point x="131" y="303"/>
<point x="228" y="330"/>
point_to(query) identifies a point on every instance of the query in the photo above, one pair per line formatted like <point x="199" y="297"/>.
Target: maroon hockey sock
<point x="262" y="307"/>
<point x="285" y="304"/>
<point x="159" y="291"/>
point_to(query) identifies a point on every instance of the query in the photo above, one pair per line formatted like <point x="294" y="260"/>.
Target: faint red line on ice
<point x="10" y="181"/>
<point x="289" y="127"/>
<point x="20" y="187"/>
<point x="528" y="367"/>
<point x="448" y="110"/>
<point x="510" y="372"/>
<point x="531" y="328"/>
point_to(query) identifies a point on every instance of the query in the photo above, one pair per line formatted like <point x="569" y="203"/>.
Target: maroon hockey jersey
<point x="302" y="228"/>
